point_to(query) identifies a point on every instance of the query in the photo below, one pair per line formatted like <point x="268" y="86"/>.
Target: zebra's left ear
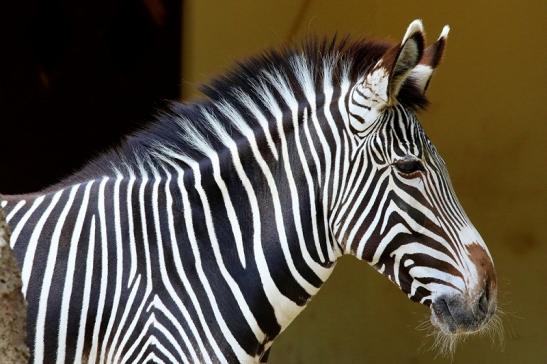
<point x="421" y="74"/>
<point x="391" y="71"/>
<point x="382" y="83"/>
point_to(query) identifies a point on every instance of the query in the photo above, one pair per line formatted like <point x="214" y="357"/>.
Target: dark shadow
<point x="75" y="76"/>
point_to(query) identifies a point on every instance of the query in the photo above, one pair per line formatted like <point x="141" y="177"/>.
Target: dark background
<point x="76" y="76"/>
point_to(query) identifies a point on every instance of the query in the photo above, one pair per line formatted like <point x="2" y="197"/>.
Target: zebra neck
<point x="260" y="198"/>
<point x="267" y="222"/>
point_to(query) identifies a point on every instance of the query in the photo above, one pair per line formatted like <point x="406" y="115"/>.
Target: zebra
<point x="202" y="236"/>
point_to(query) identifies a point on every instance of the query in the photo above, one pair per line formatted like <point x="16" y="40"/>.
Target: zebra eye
<point x="409" y="166"/>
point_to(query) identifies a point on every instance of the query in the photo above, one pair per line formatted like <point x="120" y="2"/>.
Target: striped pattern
<point x="414" y="223"/>
<point x="213" y="230"/>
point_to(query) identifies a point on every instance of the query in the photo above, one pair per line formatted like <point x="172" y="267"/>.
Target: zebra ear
<point x="421" y="74"/>
<point x="388" y="75"/>
<point x="383" y="82"/>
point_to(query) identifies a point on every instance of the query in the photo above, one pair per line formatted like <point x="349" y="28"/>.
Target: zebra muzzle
<point x="454" y="314"/>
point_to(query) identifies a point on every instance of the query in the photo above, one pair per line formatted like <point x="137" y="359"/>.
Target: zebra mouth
<point x="442" y="319"/>
<point x="453" y="315"/>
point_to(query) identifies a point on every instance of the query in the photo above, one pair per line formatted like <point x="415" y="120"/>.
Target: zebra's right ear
<point x="421" y="74"/>
<point x="383" y="82"/>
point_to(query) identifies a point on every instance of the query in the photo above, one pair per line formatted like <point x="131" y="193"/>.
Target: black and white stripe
<point x="203" y="237"/>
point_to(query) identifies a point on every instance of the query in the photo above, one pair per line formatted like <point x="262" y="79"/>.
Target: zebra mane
<point x="190" y="127"/>
<point x="344" y="58"/>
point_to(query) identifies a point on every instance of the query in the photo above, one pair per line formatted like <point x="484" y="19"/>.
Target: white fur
<point x="414" y="27"/>
<point x="444" y="32"/>
<point x="421" y="75"/>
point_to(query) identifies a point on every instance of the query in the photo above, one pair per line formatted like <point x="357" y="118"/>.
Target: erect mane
<point x="344" y="58"/>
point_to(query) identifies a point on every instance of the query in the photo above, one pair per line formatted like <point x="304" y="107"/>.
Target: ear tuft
<point x="415" y="27"/>
<point x="407" y="57"/>
<point x="444" y="32"/>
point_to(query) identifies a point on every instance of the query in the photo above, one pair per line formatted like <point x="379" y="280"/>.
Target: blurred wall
<point x="489" y="120"/>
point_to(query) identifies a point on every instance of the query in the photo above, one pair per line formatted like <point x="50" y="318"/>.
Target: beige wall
<point x="489" y="120"/>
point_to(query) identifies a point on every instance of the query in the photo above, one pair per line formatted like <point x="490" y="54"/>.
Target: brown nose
<point x="485" y="270"/>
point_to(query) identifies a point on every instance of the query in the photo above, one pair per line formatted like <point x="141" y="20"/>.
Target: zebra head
<point x="398" y="210"/>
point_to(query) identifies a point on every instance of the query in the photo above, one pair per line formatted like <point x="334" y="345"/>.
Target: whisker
<point x="444" y="345"/>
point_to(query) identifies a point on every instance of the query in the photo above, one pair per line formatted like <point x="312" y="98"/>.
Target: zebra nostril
<point x="441" y="307"/>
<point x="483" y="303"/>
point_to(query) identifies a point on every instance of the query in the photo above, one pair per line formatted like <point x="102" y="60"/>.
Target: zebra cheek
<point x="403" y="280"/>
